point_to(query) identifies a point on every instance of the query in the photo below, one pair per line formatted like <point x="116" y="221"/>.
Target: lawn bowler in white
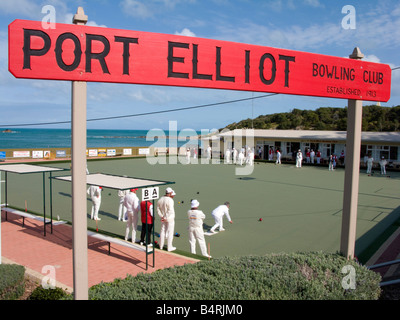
<point x="131" y="202"/>
<point x="234" y="155"/>
<point x="196" y="232"/>
<point x="383" y="163"/>
<point x="278" y="157"/>
<point x="299" y="158"/>
<point x="228" y="155"/>
<point x="241" y="157"/>
<point x="218" y="214"/>
<point x="95" y="195"/>
<point x="187" y="156"/>
<point x="370" y="162"/>
<point x="166" y="211"/>
<point x="122" y="208"/>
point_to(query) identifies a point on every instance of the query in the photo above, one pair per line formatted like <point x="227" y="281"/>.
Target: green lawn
<point x="300" y="207"/>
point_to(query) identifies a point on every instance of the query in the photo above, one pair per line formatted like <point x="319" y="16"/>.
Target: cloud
<point x="372" y="31"/>
<point x="150" y="8"/>
<point x="371" y="58"/>
<point x="136" y="9"/>
<point x="185" y="32"/>
<point x="68" y="18"/>
<point x="25" y="8"/>
<point x="313" y="3"/>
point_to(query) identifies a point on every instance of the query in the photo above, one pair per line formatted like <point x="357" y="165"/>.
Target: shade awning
<point x="27" y="168"/>
<point x="117" y="182"/>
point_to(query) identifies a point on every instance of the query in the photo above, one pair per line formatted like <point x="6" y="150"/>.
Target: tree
<point x="375" y="118"/>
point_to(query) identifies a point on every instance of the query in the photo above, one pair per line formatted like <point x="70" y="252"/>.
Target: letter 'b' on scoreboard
<point x="150" y="193"/>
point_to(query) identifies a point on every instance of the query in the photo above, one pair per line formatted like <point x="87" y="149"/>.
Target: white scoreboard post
<point x="148" y="194"/>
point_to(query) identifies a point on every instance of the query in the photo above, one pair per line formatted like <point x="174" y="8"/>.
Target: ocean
<point x="96" y="138"/>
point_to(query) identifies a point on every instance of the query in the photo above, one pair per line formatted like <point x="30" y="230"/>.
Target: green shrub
<point x="41" y="293"/>
<point x="297" y="276"/>
<point x="12" y="281"/>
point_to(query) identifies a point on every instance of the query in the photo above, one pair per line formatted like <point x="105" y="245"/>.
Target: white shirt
<point x="122" y="194"/>
<point x="220" y="211"/>
<point x="299" y="156"/>
<point x="94" y="192"/>
<point x="165" y="208"/>
<point x="196" y="218"/>
<point x="131" y="202"/>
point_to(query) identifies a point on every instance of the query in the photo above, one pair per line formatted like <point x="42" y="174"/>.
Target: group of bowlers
<point x="130" y="206"/>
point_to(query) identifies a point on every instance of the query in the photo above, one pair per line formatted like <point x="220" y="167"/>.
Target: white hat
<point x="194" y="203"/>
<point x="169" y="190"/>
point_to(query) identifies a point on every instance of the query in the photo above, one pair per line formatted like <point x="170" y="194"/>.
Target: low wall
<point x="65" y="153"/>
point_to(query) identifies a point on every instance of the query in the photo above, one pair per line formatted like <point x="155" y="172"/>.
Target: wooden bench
<point x="128" y="244"/>
<point x="30" y="216"/>
<point x="120" y="242"/>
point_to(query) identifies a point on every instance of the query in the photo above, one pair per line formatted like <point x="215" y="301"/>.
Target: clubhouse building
<point x="264" y="142"/>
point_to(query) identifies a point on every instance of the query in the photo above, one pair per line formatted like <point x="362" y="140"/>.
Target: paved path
<point x="27" y="246"/>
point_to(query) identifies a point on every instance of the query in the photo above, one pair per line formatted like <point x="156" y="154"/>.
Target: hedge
<point x="296" y="276"/>
<point x="41" y="293"/>
<point x="12" y="281"/>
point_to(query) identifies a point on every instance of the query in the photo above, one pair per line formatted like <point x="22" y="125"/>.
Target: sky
<point x="316" y="26"/>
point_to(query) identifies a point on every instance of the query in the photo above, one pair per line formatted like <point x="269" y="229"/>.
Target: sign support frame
<point x="78" y="171"/>
<point x="352" y="172"/>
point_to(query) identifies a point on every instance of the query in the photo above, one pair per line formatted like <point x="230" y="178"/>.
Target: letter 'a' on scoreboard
<point x="150" y="193"/>
<point x="95" y="54"/>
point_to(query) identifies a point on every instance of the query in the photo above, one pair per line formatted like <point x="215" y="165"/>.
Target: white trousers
<point x="95" y="209"/>
<point x="298" y="163"/>
<point x="218" y="223"/>
<point x="121" y="210"/>
<point x="197" y="234"/>
<point x="131" y="224"/>
<point x="167" y="232"/>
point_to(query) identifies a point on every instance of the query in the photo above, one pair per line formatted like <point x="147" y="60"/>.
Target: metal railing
<point x="386" y="264"/>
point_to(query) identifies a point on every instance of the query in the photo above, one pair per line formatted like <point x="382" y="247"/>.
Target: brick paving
<point x="26" y="245"/>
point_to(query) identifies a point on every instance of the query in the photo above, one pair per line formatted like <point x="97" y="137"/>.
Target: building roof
<point x="392" y="137"/>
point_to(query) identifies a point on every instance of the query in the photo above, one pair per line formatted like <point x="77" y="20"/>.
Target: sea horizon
<point x="32" y="138"/>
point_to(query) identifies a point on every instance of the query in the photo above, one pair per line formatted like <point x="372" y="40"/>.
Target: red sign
<point x="82" y="53"/>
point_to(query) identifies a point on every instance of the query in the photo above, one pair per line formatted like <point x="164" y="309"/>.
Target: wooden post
<point x="78" y="161"/>
<point x="352" y="173"/>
